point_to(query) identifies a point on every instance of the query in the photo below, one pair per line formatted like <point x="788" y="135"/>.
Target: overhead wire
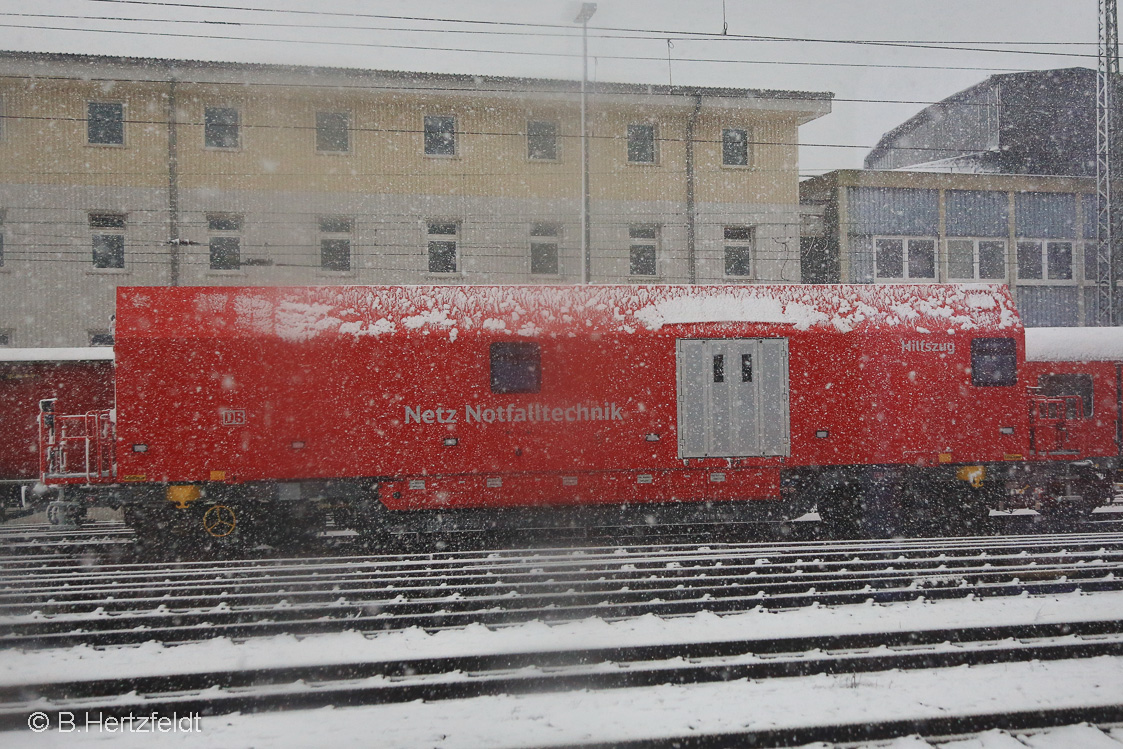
<point x="656" y="32"/>
<point x="521" y="53"/>
<point x="632" y="34"/>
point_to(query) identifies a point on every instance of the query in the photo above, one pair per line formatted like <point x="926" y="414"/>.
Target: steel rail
<point x="167" y="626"/>
<point x="115" y="581"/>
<point x="332" y="592"/>
<point x="570" y="557"/>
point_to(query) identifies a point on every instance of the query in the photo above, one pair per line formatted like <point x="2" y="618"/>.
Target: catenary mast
<point x="1108" y="228"/>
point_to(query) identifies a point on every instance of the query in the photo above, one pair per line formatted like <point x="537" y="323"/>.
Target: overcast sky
<point x="1061" y="32"/>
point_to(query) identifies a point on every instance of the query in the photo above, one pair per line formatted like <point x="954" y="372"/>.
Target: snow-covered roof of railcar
<point x="87" y="353"/>
<point x="303" y="313"/>
<point x="1074" y="344"/>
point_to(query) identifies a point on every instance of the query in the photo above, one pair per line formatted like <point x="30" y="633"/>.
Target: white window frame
<point x="455" y="239"/>
<point x="109" y="231"/>
<point x="557" y="140"/>
<point x="654" y="143"/>
<point x="349" y="129"/>
<point x="633" y="242"/>
<point x="905" y="277"/>
<point x="1045" y="280"/>
<point x="750" y="243"/>
<point x="554" y="239"/>
<point x="348" y="235"/>
<point x="748" y="131"/>
<point x="241" y="126"/>
<point x="98" y="332"/>
<point x="239" y="233"/>
<point x="975" y="242"/>
<point x="124" y="124"/>
<point x="455" y="137"/>
<point x="1085" y="248"/>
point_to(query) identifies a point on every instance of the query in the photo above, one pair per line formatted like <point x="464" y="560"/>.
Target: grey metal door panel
<point x="692" y="397"/>
<point x="774" y="416"/>
<point x="732" y="397"/>
<point x="723" y="401"/>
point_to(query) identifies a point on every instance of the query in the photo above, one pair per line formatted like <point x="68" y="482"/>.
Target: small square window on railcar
<point x="516" y="368"/>
<point x="994" y="362"/>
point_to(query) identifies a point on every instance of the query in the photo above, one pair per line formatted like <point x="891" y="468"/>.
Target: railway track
<point x="102" y="539"/>
<point x="60" y="598"/>
<point x="77" y="603"/>
<point x="407" y="680"/>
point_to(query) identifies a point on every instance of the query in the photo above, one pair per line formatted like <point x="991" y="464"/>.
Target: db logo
<point x="233" y="417"/>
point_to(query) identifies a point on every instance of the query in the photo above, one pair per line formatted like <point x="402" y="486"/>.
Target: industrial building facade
<point x="1036" y="234"/>
<point x="119" y="171"/>
<point x="1036" y="122"/>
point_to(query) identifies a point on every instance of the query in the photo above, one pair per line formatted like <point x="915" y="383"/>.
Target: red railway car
<point x="881" y="405"/>
<point x="80" y="377"/>
<point x="1084" y="366"/>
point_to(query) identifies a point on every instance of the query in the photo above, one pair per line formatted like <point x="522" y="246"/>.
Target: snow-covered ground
<point x="619" y="714"/>
<point x="1068" y="737"/>
<point x="639" y="713"/>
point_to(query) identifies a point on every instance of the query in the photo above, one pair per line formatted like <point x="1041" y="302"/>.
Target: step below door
<point x="732" y="397"/>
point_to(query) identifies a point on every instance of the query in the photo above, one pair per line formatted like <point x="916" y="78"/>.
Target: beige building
<point x="141" y="171"/>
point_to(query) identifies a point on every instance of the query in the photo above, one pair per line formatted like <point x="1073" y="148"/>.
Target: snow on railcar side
<point x="401" y="401"/>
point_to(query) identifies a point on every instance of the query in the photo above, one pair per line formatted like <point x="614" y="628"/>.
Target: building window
<point x="5" y="338"/>
<point x="515" y="368"/>
<point x="1058" y="257"/>
<point x="1044" y="261"/>
<point x="542" y="141"/>
<point x="544" y="249"/>
<point x="100" y="337"/>
<point x="108" y="239"/>
<point x="440" y="136"/>
<point x="905" y="259"/>
<point x="643" y="254"/>
<point x="105" y="123"/>
<point x="225" y="241"/>
<point x="1092" y="262"/>
<point x="335" y="243"/>
<point x="333" y="132"/>
<point x="739" y="241"/>
<point x="443" y="241"/>
<point x="976" y="259"/>
<point x="641" y="144"/>
<point x="734" y="146"/>
<point x="222" y="127"/>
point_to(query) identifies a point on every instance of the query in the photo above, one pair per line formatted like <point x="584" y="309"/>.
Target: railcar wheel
<point x="219" y="521"/>
<point x="840" y="512"/>
<point x="966" y="512"/>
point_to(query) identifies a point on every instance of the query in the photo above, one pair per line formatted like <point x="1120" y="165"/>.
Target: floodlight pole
<point x="587" y="11"/>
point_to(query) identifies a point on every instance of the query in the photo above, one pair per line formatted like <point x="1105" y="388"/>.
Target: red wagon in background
<point x="81" y="378"/>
